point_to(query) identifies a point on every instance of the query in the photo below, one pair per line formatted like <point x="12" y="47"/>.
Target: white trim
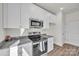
<point x="72" y="43"/>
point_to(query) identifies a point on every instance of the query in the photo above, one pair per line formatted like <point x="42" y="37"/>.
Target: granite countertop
<point x="6" y="44"/>
<point x="23" y="40"/>
<point x="46" y="36"/>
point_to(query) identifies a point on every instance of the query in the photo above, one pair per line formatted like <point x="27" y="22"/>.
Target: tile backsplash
<point x="12" y="32"/>
<point x="2" y="34"/>
<point x="17" y="32"/>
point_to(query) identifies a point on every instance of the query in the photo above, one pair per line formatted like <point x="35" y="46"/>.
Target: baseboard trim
<point x="59" y="44"/>
<point x="73" y="44"/>
<point x="77" y="45"/>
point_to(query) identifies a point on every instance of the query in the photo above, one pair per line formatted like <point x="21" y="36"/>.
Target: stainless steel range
<point x="39" y="43"/>
<point x="34" y="36"/>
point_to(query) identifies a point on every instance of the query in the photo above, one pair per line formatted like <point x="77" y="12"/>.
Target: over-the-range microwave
<point x="35" y="23"/>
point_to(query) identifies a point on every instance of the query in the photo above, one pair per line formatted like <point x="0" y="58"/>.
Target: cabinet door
<point x="25" y="15"/>
<point x="14" y="51"/>
<point x="28" y="48"/>
<point x="37" y="12"/>
<point x="4" y="52"/>
<point x="5" y="15"/>
<point x="13" y="15"/>
<point x="24" y="52"/>
<point x="52" y="18"/>
<point x="46" y="23"/>
<point x="0" y="15"/>
<point x="50" y="44"/>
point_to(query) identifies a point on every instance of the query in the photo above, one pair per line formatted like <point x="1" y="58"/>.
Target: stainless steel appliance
<point x="34" y="36"/>
<point x="39" y="43"/>
<point x="35" y="23"/>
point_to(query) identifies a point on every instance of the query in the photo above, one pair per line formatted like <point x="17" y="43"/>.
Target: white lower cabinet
<point x="10" y="51"/>
<point x="24" y="52"/>
<point x="14" y="49"/>
<point x="26" y="49"/>
<point x="4" y="52"/>
<point x="50" y="44"/>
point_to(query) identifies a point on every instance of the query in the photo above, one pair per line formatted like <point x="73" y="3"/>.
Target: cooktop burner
<point x="34" y="38"/>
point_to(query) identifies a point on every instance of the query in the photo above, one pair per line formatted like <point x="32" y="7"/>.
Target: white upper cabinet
<point x="40" y="14"/>
<point x="14" y="15"/>
<point x="0" y="15"/>
<point x="5" y="15"/>
<point x="46" y="23"/>
<point x="52" y="18"/>
<point x="17" y="15"/>
<point x="11" y="15"/>
<point x="30" y="11"/>
<point x="37" y="12"/>
<point x="43" y="15"/>
<point x="49" y="18"/>
<point x="25" y="15"/>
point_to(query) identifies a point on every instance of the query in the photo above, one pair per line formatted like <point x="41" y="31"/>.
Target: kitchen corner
<point x="39" y="29"/>
<point x="25" y="31"/>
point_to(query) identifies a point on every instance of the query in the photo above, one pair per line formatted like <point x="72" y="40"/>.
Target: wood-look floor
<point x="66" y="50"/>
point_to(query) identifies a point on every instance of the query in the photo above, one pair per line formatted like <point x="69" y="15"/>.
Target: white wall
<point x="72" y="28"/>
<point x="59" y="29"/>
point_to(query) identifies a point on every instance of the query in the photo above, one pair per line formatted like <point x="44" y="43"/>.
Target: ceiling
<point x="55" y="7"/>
